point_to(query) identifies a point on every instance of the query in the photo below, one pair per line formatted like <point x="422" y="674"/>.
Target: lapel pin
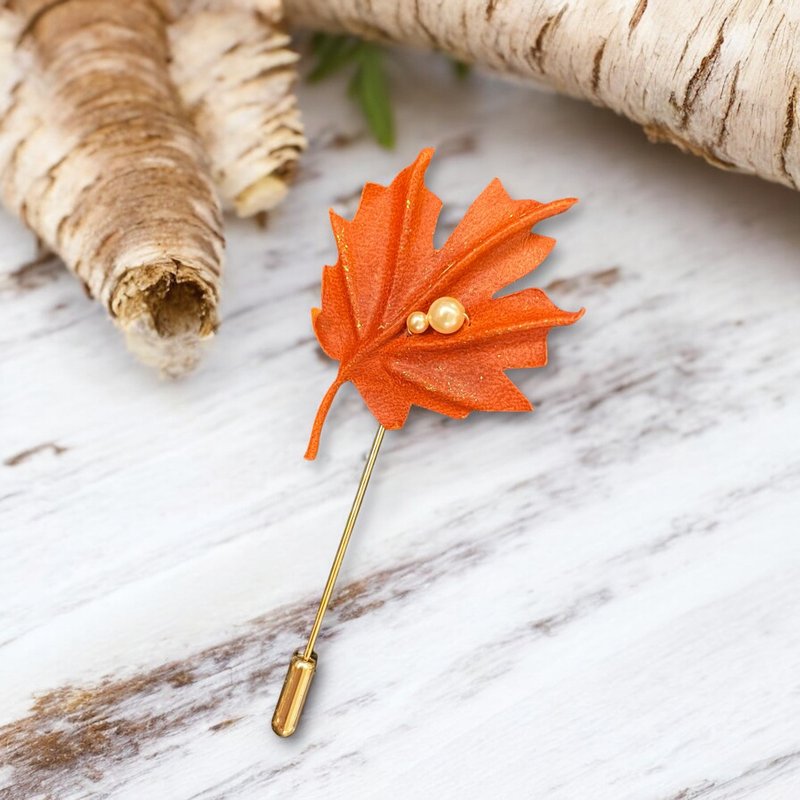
<point x="413" y="325"/>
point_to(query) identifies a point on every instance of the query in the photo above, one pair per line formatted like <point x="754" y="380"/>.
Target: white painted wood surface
<point x="600" y="599"/>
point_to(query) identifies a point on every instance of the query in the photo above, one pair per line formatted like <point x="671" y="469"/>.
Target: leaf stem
<point x="319" y="419"/>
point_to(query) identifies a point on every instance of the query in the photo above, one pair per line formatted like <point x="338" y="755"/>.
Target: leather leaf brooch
<point x="413" y="325"/>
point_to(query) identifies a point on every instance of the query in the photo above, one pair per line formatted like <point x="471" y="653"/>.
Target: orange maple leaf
<point x="388" y="268"/>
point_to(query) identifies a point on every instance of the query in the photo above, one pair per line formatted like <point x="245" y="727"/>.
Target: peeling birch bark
<point x="717" y="78"/>
<point x="102" y="159"/>
<point x="235" y="74"/>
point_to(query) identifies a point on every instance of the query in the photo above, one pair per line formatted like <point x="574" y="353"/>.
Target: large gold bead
<point x="446" y="315"/>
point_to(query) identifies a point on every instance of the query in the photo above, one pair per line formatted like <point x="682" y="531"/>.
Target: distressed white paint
<point x="597" y="600"/>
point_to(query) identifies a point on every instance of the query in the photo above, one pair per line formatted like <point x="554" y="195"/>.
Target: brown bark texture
<point x="124" y="129"/>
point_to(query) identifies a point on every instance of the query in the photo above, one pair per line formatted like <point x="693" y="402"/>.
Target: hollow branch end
<point x="167" y="314"/>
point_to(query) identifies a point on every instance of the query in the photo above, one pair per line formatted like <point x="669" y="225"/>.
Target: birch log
<point x="124" y="127"/>
<point x="235" y="74"/>
<point x="717" y="78"/>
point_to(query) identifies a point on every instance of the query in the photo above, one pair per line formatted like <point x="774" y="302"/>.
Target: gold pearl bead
<point x="417" y="322"/>
<point x="446" y="315"/>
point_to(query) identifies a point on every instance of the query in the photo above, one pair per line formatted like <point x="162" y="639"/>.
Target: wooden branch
<point x="717" y="78"/>
<point x="117" y="148"/>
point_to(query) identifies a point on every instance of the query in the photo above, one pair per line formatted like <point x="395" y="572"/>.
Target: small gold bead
<point x="417" y="322"/>
<point x="446" y="315"/>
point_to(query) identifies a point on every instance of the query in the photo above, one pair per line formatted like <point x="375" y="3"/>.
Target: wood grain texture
<point x="596" y="600"/>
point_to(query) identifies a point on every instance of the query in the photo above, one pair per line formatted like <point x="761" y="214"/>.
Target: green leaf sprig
<point x="369" y="85"/>
<point x="369" y="82"/>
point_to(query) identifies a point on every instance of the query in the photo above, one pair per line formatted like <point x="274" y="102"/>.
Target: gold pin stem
<point x="303" y="664"/>
<point x="344" y="541"/>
